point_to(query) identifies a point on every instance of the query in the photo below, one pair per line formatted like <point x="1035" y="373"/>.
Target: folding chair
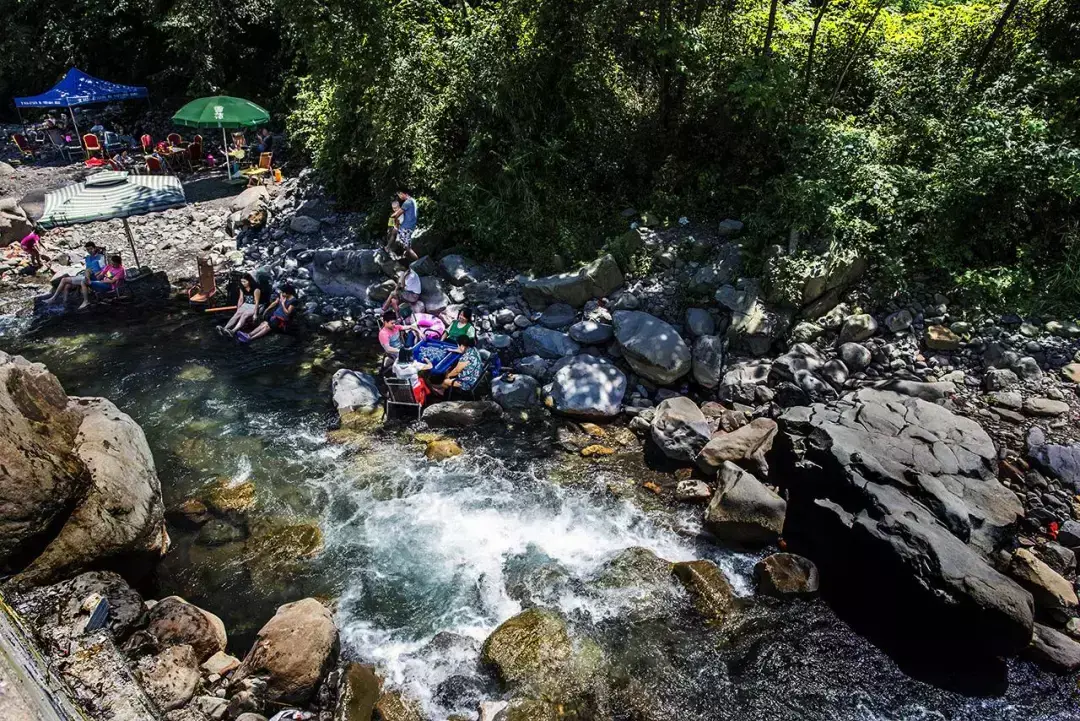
<point x="92" y="145"/>
<point x="64" y="146"/>
<point x="262" y="169"/>
<point x="112" y="142"/>
<point x="23" y="145"/>
<point x="399" y="393"/>
<point x="206" y="288"/>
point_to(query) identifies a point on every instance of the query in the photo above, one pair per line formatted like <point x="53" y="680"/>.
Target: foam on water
<point x="437" y="539"/>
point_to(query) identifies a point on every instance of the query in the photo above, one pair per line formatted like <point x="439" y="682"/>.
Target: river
<point x="422" y="560"/>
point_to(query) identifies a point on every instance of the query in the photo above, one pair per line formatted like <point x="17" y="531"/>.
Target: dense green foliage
<point x="919" y="136"/>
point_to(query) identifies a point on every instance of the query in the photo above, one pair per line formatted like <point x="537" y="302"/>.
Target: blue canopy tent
<point x="77" y="88"/>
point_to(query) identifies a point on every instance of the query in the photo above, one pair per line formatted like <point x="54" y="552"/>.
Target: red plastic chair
<point x="92" y="145"/>
<point x="175" y="140"/>
<point x="195" y="153"/>
<point x="23" y="145"/>
<point x="147" y="142"/>
<point x="153" y="165"/>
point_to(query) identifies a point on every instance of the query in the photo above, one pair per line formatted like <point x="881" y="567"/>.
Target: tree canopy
<point x="930" y="136"/>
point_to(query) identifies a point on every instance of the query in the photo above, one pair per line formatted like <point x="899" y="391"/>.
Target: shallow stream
<point x="423" y="560"/>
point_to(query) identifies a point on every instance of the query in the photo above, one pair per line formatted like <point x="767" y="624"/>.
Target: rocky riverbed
<point x="913" y="465"/>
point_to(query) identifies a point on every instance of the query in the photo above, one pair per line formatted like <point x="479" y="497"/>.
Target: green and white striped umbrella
<point x="111" y="194"/>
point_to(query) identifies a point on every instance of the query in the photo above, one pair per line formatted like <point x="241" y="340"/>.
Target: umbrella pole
<point x="228" y="158"/>
<point x="76" y="124"/>
<point x="131" y="241"/>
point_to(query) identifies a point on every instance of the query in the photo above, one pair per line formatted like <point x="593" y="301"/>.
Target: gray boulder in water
<point x="743" y="509"/>
<point x="897" y="499"/>
<point x="460" y="414"/>
<point x="355" y="392"/>
<point x="585" y="386"/>
<point x="652" y="347"/>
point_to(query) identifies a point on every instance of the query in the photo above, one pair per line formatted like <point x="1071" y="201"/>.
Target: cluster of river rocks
<point x="921" y="461"/>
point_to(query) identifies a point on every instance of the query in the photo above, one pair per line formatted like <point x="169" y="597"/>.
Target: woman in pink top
<point x="107" y="280"/>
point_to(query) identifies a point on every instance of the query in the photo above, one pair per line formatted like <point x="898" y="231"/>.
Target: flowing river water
<point x="422" y="560"/>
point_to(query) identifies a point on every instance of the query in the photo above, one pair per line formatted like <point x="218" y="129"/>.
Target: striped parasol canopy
<point x="111" y="194"/>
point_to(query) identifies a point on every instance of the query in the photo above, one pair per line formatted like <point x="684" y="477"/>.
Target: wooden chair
<point x="206" y="288"/>
<point x="92" y="145"/>
<point x="262" y="169"/>
<point x="399" y="394"/>
<point x="175" y="140"/>
<point x="23" y="145"/>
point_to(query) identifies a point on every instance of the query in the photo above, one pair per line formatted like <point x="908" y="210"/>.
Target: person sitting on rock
<point x="390" y="337"/>
<point x="280" y="311"/>
<point x="95" y="263"/>
<point x="106" y="281"/>
<point x="247" y="305"/>
<point x="408" y="369"/>
<point x="462" y="326"/>
<point x="406" y="290"/>
<point x="466" y="372"/>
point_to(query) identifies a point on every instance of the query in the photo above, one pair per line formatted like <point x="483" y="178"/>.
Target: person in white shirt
<point x="407" y="290"/>
<point x="408" y="369"/>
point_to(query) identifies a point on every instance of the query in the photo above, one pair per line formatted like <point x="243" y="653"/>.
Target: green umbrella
<point x="221" y="111"/>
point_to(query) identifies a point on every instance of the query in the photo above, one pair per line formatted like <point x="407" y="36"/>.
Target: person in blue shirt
<point x="407" y="215"/>
<point x="95" y="263"/>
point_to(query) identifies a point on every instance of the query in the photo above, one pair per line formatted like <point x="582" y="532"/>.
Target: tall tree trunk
<point x="855" y="50"/>
<point x="769" y="30"/>
<point x="810" y="51"/>
<point x="984" y="54"/>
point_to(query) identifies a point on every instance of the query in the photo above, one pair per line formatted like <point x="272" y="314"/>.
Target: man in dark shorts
<point x="408" y="222"/>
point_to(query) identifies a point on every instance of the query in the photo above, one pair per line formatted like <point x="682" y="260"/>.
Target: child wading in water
<point x="280" y="311"/>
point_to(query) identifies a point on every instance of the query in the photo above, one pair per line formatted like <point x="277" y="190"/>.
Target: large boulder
<point x="745" y="446"/>
<point x="594" y="280"/>
<point x="461" y="414"/>
<point x="708" y="360"/>
<point x="742" y="380"/>
<point x="589" y="332"/>
<point x="680" y="429"/>
<point x="120" y="513"/>
<point x="293" y="651"/>
<point x="432" y="295"/>
<point x="59" y="612"/>
<point x="39" y="475"/>
<point x="897" y="500"/>
<point x="459" y="270"/>
<point x="356" y="397"/>
<point x="14" y="226"/>
<point x="743" y="509"/>
<point x="1059" y="461"/>
<point x="786" y="574"/>
<point x="1054" y="650"/>
<point x="170" y="677"/>
<point x="547" y="343"/>
<point x="1054" y="595"/>
<point x="652" y="347"/>
<point x="713" y="594"/>
<point x="534" y="654"/>
<point x="757" y="329"/>
<point x="585" y="386"/>
<point x="515" y="394"/>
<point x="101" y="679"/>
<point x="175" y="622"/>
